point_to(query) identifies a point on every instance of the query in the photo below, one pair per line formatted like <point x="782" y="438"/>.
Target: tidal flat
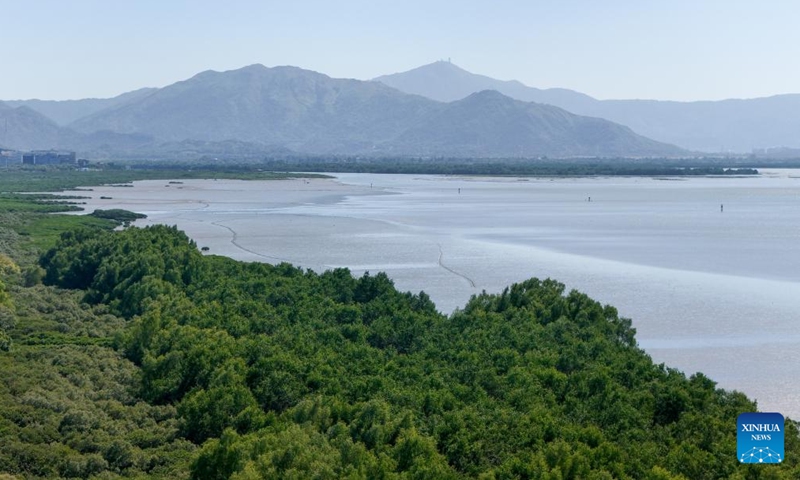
<point x="708" y="269"/>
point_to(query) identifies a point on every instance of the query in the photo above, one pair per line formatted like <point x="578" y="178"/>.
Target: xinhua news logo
<point x="759" y="438"/>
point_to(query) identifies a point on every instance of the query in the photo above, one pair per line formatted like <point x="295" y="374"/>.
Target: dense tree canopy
<point x="275" y="372"/>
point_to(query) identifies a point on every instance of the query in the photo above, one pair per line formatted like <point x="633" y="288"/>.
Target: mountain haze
<point x="23" y="128"/>
<point x="288" y="106"/>
<point x="711" y="126"/>
<point x="257" y="110"/>
<point x="291" y="109"/>
<point x="489" y="123"/>
<point x="309" y="112"/>
<point x="446" y="82"/>
<point x="64" y="112"/>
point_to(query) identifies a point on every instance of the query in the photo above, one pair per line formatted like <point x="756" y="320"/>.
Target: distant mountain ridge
<point x="489" y="121"/>
<point x="445" y="82"/>
<point x="710" y="126"/>
<point x="300" y="109"/>
<point x="310" y="112"/>
<point x="64" y="112"/>
<point x="24" y="129"/>
<point x="288" y="109"/>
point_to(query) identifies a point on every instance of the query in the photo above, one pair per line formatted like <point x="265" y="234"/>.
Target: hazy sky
<point x="670" y="49"/>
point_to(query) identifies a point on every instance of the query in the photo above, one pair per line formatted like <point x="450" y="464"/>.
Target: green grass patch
<point x="42" y="231"/>
<point x="23" y="203"/>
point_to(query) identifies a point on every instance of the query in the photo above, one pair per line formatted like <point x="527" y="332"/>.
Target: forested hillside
<point x="237" y="370"/>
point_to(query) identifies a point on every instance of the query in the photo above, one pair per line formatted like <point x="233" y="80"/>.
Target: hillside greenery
<point x="129" y="354"/>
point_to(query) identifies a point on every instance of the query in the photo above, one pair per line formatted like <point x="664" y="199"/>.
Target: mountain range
<point x="64" y="112"/>
<point x="24" y="128"/>
<point x="289" y="109"/>
<point x="280" y="108"/>
<point x="708" y="126"/>
<point x="488" y="121"/>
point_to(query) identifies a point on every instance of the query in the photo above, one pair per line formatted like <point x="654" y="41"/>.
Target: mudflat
<point x="707" y="290"/>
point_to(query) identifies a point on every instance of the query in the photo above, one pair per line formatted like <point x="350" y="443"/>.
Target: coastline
<point x="328" y="223"/>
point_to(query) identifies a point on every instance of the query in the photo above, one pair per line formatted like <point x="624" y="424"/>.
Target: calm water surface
<point x="708" y="290"/>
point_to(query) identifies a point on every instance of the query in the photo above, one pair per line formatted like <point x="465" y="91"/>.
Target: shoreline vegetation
<point x="25" y="208"/>
<point x="126" y="354"/>
<point x="510" y="167"/>
<point x="55" y="179"/>
<point x="542" y="167"/>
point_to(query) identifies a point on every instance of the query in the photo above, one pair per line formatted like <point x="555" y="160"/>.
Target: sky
<point x="667" y="50"/>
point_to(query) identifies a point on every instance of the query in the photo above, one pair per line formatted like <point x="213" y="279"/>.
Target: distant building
<point x="49" y="157"/>
<point x="9" y="156"/>
<point x="777" y="152"/>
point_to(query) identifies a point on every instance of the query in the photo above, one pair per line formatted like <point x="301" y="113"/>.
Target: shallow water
<point x="708" y="290"/>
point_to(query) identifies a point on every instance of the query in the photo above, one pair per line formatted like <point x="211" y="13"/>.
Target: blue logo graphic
<point x="759" y="438"/>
